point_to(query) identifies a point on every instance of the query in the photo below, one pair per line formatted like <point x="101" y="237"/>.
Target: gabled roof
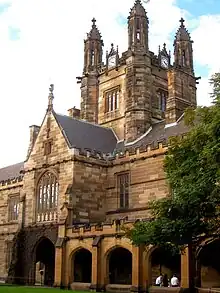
<point x="85" y="135"/>
<point x="11" y="172"/>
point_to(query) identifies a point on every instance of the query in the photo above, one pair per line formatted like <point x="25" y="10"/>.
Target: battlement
<point x="91" y="229"/>
<point x="153" y="149"/>
<point x="11" y="181"/>
<point x="116" y="226"/>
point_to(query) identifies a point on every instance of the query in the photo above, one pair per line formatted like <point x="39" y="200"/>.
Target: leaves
<point x="192" y="167"/>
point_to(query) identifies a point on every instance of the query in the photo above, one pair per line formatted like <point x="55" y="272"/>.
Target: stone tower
<point x="181" y="78"/>
<point x="89" y="81"/>
<point x="138" y="75"/>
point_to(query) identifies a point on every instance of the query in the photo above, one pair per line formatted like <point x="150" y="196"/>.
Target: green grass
<point x="12" y="289"/>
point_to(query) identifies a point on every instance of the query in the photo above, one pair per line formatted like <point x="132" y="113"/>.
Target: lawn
<point x="12" y="289"/>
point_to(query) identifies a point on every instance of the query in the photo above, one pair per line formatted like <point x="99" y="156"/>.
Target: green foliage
<point x="192" y="167"/>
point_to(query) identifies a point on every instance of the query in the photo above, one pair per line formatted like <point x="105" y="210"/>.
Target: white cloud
<point x="51" y="49"/>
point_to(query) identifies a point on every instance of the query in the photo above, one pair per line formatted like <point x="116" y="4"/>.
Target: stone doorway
<point x="208" y="265"/>
<point x="165" y="262"/>
<point x="44" y="262"/>
<point x="82" y="264"/>
<point x="120" y="266"/>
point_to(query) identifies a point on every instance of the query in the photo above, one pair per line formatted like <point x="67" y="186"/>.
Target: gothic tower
<point x="89" y="81"/>
<point x="138" y="75"/>
<point x="181" y="78"/>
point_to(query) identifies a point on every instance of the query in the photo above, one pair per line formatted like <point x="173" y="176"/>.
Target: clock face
<point x="164" y="62"/>
<point x="112" y="61"/>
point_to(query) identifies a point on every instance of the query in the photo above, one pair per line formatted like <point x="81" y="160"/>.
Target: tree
<point x="192" y="166"/>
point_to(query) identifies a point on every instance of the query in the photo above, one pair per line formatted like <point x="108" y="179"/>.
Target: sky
<point x="41" y="42"/>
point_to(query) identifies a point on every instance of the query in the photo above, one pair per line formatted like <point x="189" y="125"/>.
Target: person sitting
<point x="174" y="281"/>
<point x="159" y="280"/>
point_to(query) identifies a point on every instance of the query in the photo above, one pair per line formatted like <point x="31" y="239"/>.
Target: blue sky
<point x="200" y="7"/>
<point x="41" y="41"/>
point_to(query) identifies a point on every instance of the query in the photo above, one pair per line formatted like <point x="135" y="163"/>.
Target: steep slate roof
<point x="85" y="135"/>
<point x="158" y="133"/>
<point x="11" y="172"/>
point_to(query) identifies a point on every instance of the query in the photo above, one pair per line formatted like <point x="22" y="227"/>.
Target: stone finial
<point x="182" y="22"/>
<point x="93" y="21"/>
<point x="50" y="98"/>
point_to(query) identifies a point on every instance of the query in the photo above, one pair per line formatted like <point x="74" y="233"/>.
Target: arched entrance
<point x="164" y="262"/>
<point x="45" y="262"/>
<point x="82" y="266"/>
<point x="209" y="265"/>
<point x="120" y="266"/>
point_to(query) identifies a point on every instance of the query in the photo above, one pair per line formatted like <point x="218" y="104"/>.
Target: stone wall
<point x="89" y="189"/>
<point x="58" y="161"/>
<point x="159" y="82"/>
<point x="113" y="119"/>
<point x="182" y="94"/>
<point x="147" y="182"/>
<point x="7" y="228"/>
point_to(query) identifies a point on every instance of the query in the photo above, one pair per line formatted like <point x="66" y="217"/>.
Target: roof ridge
<point x="5" y="167"/>
<point x="84" y="121"/>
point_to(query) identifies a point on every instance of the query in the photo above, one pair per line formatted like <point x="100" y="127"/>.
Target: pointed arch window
<point x="184" y="58"/>
<point x="92" y="58"/>
<point x="47" y="198"/>
<point x="162" y="99"/>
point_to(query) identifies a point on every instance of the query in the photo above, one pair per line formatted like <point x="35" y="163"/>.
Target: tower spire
<point x="183" y="52"/>
<point x="93" y="50"/>
<point x="138" y="28"/>
<point x="50" y="98"/>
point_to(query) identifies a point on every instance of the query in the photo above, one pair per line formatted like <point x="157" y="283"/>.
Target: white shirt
<point x="159" y="280"/>
<point x="174" y="281"/>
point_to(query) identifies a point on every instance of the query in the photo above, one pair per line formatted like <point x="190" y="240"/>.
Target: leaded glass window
<point x="47" y="198"/>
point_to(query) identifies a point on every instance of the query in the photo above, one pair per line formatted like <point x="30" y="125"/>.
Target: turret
<point x="181" y="79"/>
<point x="138" y="75"/>
<point x="93" y="49"/>
<point x="89" y="81"/>
<point x="138" y="28"/>
<point x="183" y="52"/>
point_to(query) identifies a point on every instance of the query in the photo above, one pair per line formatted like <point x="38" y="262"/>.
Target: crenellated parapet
<point x="12" y="181"/>
<point x="149" y="150"/>
<point x="87" y="230"/>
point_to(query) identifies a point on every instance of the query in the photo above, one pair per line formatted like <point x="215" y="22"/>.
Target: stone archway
<point x="119" y="266"/>
<point x="44" y="262"/>
<point x="163" y="261"/>
<point x="82" y="266"/>
<point x="208" y="264"/>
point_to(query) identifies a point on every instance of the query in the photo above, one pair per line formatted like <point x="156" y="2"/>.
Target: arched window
<point x="47" y="197"/>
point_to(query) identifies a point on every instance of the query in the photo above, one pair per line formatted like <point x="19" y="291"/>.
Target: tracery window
<point x="13" y="208"/>
<point x="123" y="190"/>
<point x="162" y="100"/>
<point x="111" y="100"/>
<point x="9" y="250"/>
<point x="47" y="198"/>
<point x="92" y="57"/>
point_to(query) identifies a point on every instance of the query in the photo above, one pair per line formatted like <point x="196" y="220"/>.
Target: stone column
<point x="136" y="268"/>
<point x="146" y="273"/>
<point x="96" y="262"/>
<point x="94" y="283"/>
<point x="58" y="267"/>
<point x="59" y="258"/>
<point x="187" y="277"/>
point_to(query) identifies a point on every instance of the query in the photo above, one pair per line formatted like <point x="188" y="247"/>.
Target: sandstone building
<point x="91" y="172"/>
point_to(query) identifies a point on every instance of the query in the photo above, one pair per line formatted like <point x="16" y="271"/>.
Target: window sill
<point x="126" y="210"/>
<point x="11" y="222"/>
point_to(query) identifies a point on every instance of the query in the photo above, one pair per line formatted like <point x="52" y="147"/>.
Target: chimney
<point x="74" y="113"/>
<point x="34" y="130"/>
